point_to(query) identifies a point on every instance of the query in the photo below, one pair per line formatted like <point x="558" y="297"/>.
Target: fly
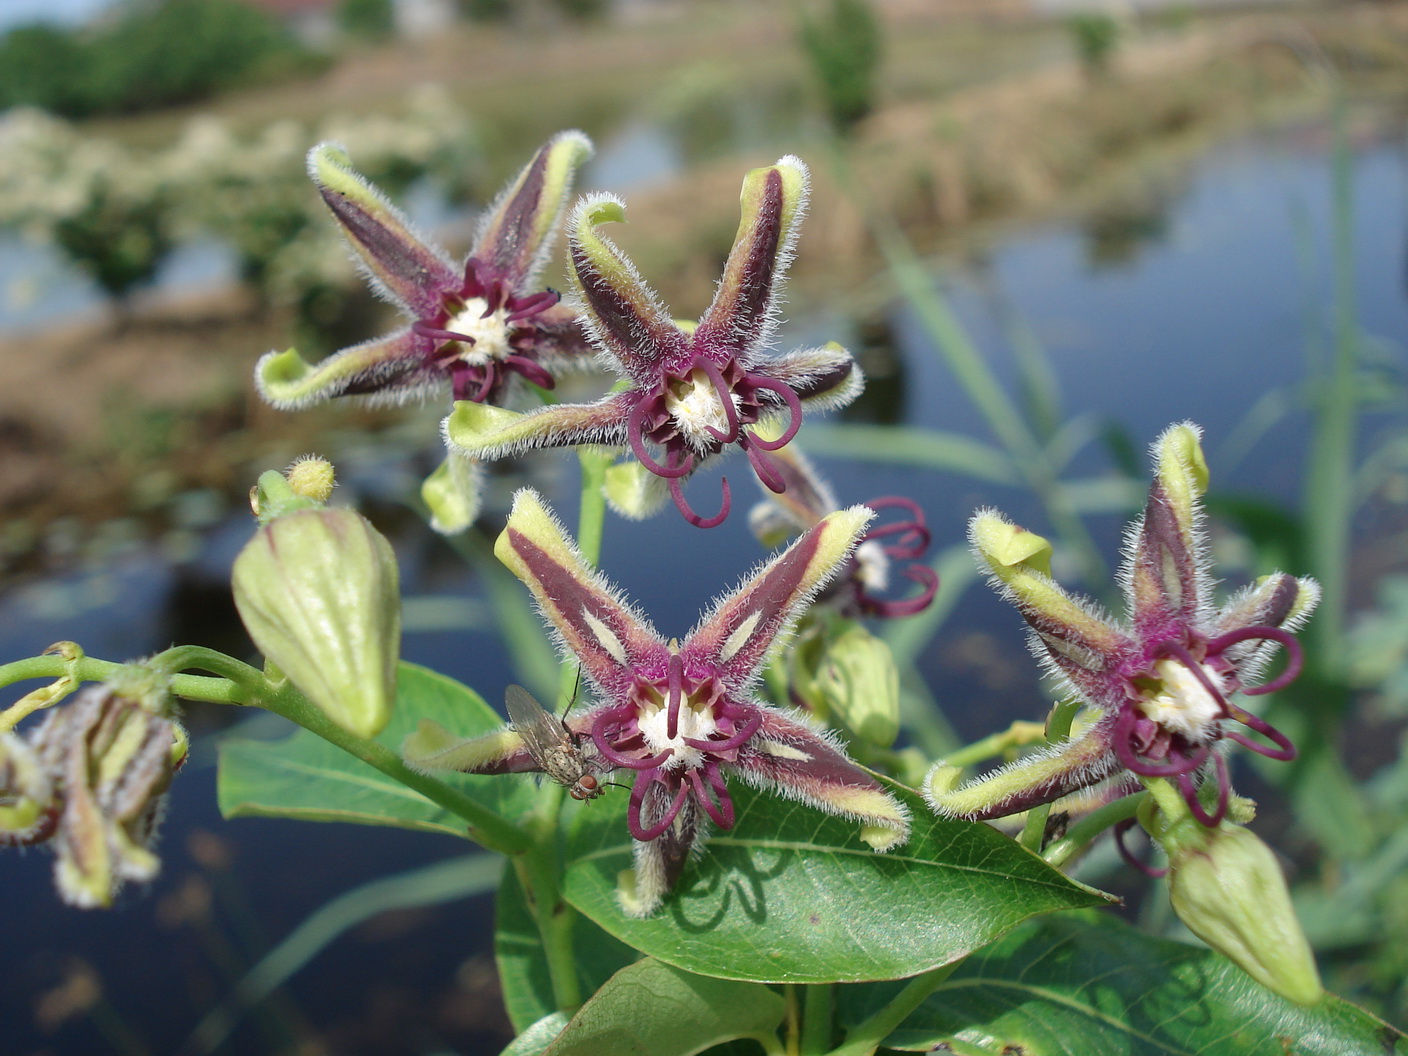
<point x="553" y="746"/>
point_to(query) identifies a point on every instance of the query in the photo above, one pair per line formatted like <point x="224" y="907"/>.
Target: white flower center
<point x="695" y="406"/>
<point x="1183" y="704"/>
<point x="696" y="724"/>
<point x="874" y="566"/>
<point x="490" y="333"/>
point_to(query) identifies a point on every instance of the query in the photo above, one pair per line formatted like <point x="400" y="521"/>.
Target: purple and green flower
<point x="681" y="715"/>
<point x="473" y="326"/>
<point x="1164" y="685"/>
<point x="688" y="391"/>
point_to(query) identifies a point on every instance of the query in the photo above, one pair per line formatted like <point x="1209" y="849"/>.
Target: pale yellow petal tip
<point x="840" y="532"/>
<point x="452" y="494"/>
<point x="431" y="748"/>
<point x="532" y="518"/>
<point x="574" y="146"/>
<point x="1179" y="449"/>
<point x="470" y="423"/>
<point x="597" y="209"/>
<point x="882" y="838"/>
<point x="634" y="901"/>
<point x="330" y="165"/>
<point x="1004" y="545"/>
<point x="633" y="491"/>
<point x="279" y="375"/>
<point x="938" y="789"/>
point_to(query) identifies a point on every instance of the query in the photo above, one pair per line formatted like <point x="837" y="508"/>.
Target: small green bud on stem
<point x="1227" y="887"/>
<point x="318" y="590"/>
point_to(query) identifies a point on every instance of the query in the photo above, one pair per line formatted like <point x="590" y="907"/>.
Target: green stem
<point x="592" y="518"/>
<point x="1079" y="835"/>
<point x="91" y="669"/>
<point x="485" y="826"/>
<point x="538" y="871"/>
<point x="868" y="1035"/>
<point x="1058" y="729"/>
<point x="539" y="867"/>
<point x="818" y="1018"/>
<point x="1018" y="735"/>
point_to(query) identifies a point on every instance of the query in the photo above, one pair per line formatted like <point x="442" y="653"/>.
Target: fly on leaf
<point x="553" y="746"/>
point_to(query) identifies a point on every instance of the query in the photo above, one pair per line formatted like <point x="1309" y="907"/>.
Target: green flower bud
<point x="1228" y="889"/>
<point x="861" y="685"/>
<point x="312" y="477"/>
<point x="318" y="592"/>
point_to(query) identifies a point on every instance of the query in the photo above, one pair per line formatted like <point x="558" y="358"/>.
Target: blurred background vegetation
<point x="1016" y="225"/>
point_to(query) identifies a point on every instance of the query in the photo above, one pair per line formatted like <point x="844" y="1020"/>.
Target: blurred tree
<point x="154" y="54"/>
<point x="40" y="65"/>
<point x="843" y="47"/>
<point x="367" y="19"/>
<point x="1096" y="35"/>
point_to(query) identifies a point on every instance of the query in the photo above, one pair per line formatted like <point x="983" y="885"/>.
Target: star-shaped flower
<point x="690" y="391"/>
<point x="1164" y="685"/>
<point x="472" y="325"/>
<point x="682" y="716"/>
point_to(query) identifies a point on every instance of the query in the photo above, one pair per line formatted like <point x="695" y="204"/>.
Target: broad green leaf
<point x="535" y="1039"/>
<point x="303" y="776"/>
<point x="523" y="969"/>
<point x="651" y="1009"/>
<point x="791" y="895"/>
<point x="1087" y="983"/>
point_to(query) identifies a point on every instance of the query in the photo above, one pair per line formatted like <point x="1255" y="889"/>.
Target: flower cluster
<point x="689" y="391"/>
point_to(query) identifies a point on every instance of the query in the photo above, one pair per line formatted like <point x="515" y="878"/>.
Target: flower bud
<point x="1228" y="889"/>
<point x="318" y="592"/>
<point x="861" y="685"/>
<point x="111" y="756"/>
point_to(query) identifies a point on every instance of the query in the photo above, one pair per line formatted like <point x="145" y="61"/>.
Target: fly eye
<point x="587" y="783"/>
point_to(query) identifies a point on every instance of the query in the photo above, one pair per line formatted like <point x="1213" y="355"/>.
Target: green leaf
<point x="912" y="446"/>
<point x="1089" y="983"/>
<point x="791" y="895"/>
<point x="303" y="776"/>
<point x="535" y="1039"/>
<point x="651" y="1009"/>
<point x="523" y="968"/>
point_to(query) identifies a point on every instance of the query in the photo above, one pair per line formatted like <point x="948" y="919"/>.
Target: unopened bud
<point x="1228" y="889"/>
<point x="861" y="684"/>
<point x="312" y="477"/>
<point x="111" y="757"/>
<point x="318" y="590"/>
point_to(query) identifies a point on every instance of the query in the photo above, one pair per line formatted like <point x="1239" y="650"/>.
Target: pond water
<point x="1187" y="298"/>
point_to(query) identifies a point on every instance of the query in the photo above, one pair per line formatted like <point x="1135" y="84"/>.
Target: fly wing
<point x="542" y="734"/>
